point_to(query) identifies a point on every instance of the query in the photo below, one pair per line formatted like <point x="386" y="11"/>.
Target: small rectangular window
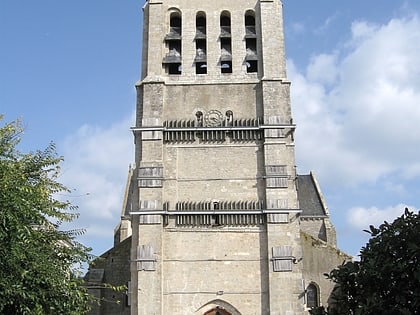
<point x="251" y="66"/>
<point x="277" y="182"/>
<point x="276" y="170"/>
<point x="282" y="258"/>
<point x="277" y="203"/>
<point x="278" y="218"/>
<point x="150" y="204"/>
<point x="146" y="258"/>
<point x="150" y="176"/>
<point x="200" y="67"/>
<point x="174" y="68"/>
<point x="226" y="67"/>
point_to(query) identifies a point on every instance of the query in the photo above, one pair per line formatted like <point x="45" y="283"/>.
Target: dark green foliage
<point x="319" y="310"/>
<point x="386" y="280"/>
<point x="39" y="264"/>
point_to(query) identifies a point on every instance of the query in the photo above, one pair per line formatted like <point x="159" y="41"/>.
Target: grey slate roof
<point x="309" y="197"/>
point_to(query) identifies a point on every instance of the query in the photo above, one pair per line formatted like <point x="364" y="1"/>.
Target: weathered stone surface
<point x="216" y="144"/>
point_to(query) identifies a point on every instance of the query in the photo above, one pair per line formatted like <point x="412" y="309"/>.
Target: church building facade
<point x="216" y="221"/>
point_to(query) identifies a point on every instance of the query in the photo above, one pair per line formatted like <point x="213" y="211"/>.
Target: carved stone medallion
<point x="213" y="118"/>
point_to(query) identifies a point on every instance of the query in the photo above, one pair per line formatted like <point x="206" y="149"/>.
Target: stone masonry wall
<point x="320" y="258"/>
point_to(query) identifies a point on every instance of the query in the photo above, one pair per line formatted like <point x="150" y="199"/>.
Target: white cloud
<point x="362" y="30"/>
<point x="358" y="109"/>
<point x="96" y="166"/>
<point x="360" y="218"/>
<point x="327" y="23"/>
<point x="297" y="28"/>
<point x="323" y="69"/>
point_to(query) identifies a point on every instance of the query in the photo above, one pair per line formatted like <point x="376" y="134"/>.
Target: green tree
<point x="386" y="280"/>
<point x="39" y="263"/>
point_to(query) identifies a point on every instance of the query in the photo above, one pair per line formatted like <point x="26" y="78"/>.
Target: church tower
<point x="215" y="218"/>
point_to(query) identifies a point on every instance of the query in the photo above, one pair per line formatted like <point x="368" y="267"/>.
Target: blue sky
<point x="68" y="69"/>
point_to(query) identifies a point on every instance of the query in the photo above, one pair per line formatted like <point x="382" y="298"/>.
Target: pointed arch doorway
<point x="217" y="311"/>
<point x="217" y="307"/>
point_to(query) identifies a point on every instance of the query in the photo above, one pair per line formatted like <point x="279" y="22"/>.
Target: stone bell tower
<point x="215" y="208"/>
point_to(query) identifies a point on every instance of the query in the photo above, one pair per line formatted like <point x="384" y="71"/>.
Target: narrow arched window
<point x="312" y="296"/>
<point x="173" y="58"/>
<point x="225" y="43"/>
<point x="175" y="23"/>
<point x="250" y="24"/>
<point x="251" y="57"/>
<point x="200" y="44"/>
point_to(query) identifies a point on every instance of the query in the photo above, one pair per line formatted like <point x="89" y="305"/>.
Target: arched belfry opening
<point x="173" y="42"/>
<point x="200" y="44"/>
<point x="225" y="38"/>
<point x="251" y="59"/>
